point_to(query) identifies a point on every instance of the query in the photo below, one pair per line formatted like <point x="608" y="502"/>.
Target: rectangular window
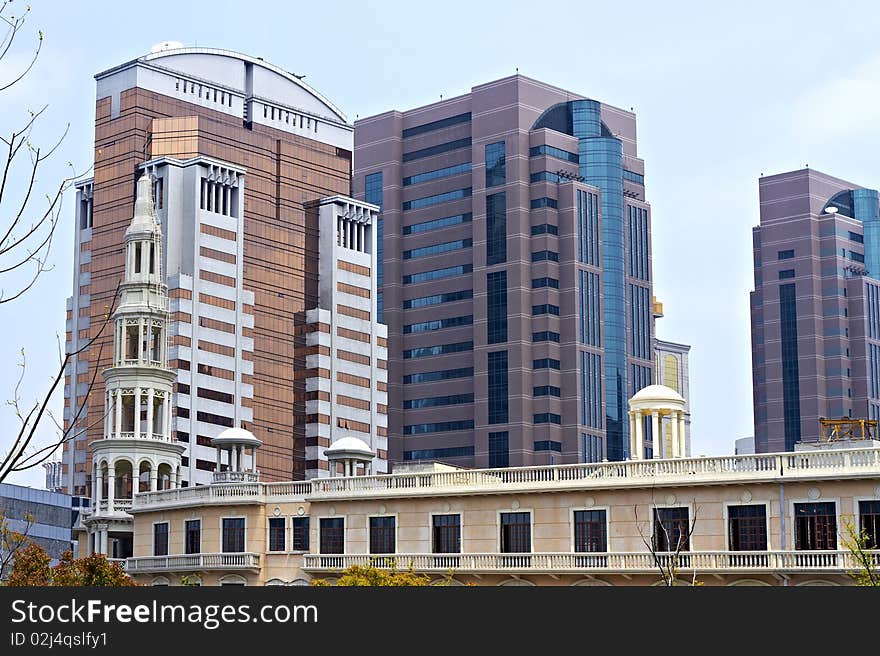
<point x="446" y="534"/>
<point x="590" y="531"/>
<point x="856" y="237"/>
<point x="437" y="324"/>
<point x="545" y="336"/>
<point x="431" y="376"/>
<point x="382" y="535"/>
<point x="497" y="384"/>
<point x="300" y="528"/>
<point x="373" y="194"/>
<point x="437" y="174"/>
<point x="747" y="528"/>
<point x="233" y="534"/>
<point x="496" y="228"/>
<point x="547" y="418"/>
<point x="546" y="308"/>
<point x="785" y="255"/>
<point x="437" y="224"/>
<point x="869" y="522"/>
<point x="786" y="273"/>
<point x="436" y="150"/>
<point x="428" y="201"/>
<point x="437" y="299"/>
<point x="496" y="307"/>
<point x="546" y="363"/>
<point x="192" y="536"/>
<point x="437" y="401"/>
<point x="791" y="398"/>
<point x="552" y="151"/>
<point x="440" y="349"/>
<point x="546" y="390"/>
<point x="438" y="427"/>
<point x="516" y="532"/>
<point x="437" y="274"/>
<point x="437" y="249"/>
<point x="160" y="539"/>
<point x="332" y="535"/>
<point x="499" y="452"/>
<point x="496" y="173"/>
<point x="277" y="534"/>
<point x="815" y="526"/>
<point x="545" y="256"/>
<point x="856" y="257"/>
<point x="538" y="203"/>
<point x="436" y="454"/>
<point x="544" y="229"/>
<point x="437" y="125"/>
<point x="547" y="445"/>
<point x="671" y="529"/>
<point x="539" y="283"/>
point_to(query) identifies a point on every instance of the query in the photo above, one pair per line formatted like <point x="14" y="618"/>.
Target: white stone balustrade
<point x="200" y="561"/>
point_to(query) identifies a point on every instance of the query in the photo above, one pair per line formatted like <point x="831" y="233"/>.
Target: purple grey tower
<point x="816" y="306"/>
<point x="516" y="274"/>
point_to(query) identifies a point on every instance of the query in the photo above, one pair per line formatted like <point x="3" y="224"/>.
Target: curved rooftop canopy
<point x="659" y="393"/>
<point x="349" y="445"/>
<point x="237" y="436"/>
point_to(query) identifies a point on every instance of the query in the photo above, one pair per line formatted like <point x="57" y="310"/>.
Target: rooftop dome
<point x="657" y="393"/>
<point x="349" y="445"/>
<point x="236" y="436"/>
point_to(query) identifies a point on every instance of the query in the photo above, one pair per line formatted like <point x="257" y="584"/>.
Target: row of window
<point x="437" y="249"/>
<point x="437" y="401"/>
<point x="438" y="324"/>
<point x="437" y="299"/>
<point x="436" y="199"/>
<point x="439" y="349"/>
<point x="431" y="376"/>
<point x="438" y="224"/>
<point x="437" y="274"/>
<point x="437" y="174"/>
<point x="438" y="427"/>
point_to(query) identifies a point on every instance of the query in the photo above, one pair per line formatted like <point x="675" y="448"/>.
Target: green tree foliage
<point x="864" y="553"/>
<point x="31" y="568"/>
<point x="370" y="575"/>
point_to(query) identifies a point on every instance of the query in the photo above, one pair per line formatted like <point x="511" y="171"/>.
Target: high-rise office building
<point x="516" y="274"/>
<point x="672" y="369"/>
<point x="240" y="153"/>
<point x="816" y="306"/>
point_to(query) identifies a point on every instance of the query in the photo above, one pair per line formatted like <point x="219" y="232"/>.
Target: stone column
<point x="137" y="412"/>
<point x="107" y="407"/>
<point x="681" y="435"/>
<point x="154" y="478"/>
<point x="632" y="435"/>
<point x="640" y="436"/>
<point x="655" y="434"/>
<point x="94" y="480"/>
<point x="118" y="426"/>
<point x="166" y="417"/>
<point x="233" y="465"/>
<point x="219" y="462"/>
<point x="99" y="488"/>
<point x="254" y="459"/>
<point x="150" y="401"/>
<point x="111" y="487"/>
<point x="673" y="418"/>
<point x="140" y="344"/>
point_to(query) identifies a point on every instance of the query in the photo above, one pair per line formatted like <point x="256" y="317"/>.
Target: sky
<point x="723" y="94"/>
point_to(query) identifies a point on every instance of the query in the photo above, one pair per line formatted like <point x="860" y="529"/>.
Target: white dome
<point x="166" y="45"/>
<point x="657" y="393"/>
<point x="236" y="436"/>
<point x="349" y="445"/>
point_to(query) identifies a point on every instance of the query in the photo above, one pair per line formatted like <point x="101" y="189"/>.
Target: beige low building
<point x="768" y="519"/>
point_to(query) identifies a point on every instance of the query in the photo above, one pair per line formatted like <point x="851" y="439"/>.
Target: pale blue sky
<point x="722" y="94"/>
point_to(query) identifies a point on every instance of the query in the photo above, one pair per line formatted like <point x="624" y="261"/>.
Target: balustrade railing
<point x="195" y="561"/>
<point x="699" y="561"/>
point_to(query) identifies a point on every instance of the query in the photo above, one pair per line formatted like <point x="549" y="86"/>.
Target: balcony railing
<point x="635" y="562"/>
<point x="192" y="562"/>
<point x="812" y="465"/>
<point x="680" y="471"/>
<point x="253" y="492"/>
<point x="103" y="507"/>
<point x="236" y="477"/>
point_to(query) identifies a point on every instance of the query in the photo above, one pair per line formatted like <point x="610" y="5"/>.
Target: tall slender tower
<point x="137" y="452"/>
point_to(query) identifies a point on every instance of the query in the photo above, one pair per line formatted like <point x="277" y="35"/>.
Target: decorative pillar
<point x="166" y="417"/>
<point x="655" y="434"/>
<point x="99" y="492"/>
<point x="673" y="419"/>
<point x="254" y="459"/>
<point x="150" y="401"/>
<point x="94" y="480"/>
<point x="640" y="436"/>
<point x="107" y="407"/>
<point x="136" y="414"/>
<point x="154" y="478"/>
<point x="681" y="435"/>
<point x="118" y="426"/>
<point x="218" y="467"/>
<point x="103" y="533"/>
<point x="632" y="435"/>
<point x="233" y="464"/>
<point x="111" y="486"/>
<point x="140" y="344"/>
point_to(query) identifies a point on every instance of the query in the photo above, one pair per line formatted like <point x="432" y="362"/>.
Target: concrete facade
<point x="516" y="274"/>
<point x="815" y="311"/>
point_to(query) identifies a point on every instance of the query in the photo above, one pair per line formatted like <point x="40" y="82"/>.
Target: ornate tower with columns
<point x="137" y="453"/>
<point x="649" y="409"/>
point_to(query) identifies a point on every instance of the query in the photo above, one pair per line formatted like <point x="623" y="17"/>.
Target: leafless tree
<point x="671" y="560"/>
<point x="27" y="229"/>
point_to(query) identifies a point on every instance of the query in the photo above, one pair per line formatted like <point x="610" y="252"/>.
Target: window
<point x="436" y="401"/>
<point x="192" y="536"/>
<point x="437" y="299"/>
<point x="496" y="229"/>
<point x="632" y="176"/>
<point x="499" y="452"/>
<point x="438" y="427"/>
<point x="437" y="224"/>
<point x="300" y="528"/>
<point x="428" y="201"/>
<point x="545" y="256"/>
<point x="538" y="283"/>
<point x="496" y="307"/>
<point x="545" y="308"/>
<point x="332" y="535"/>
<point x="437" y="249"/>
<point x="545" y="336"/>
<point x="437" y="125"/>
<point x="160" y="539"/>
<point x="437" y="174"/>
<point x="545" y="229"/>
<point x="786" y="273"/>
<point x="437" y="324"/>
<point x="545" y="176"/>
<point x="552" y="151"/>
<point x="233" y="534"/>
<point x="436" y="150"/>
<point x="446" y="534"/>
<point x="747" y="528"/>
<point x="785" y="255"/>
<point x="856" y="237"/>
<point x="856" y="257"/>
<point x="497" y="385"/>
<point x="516" y="532"/>
<point x="815" y="526"/>
<point x="440" y="349"/>
<point x="590" y="532"/>
<point x="381" y="535"/>
<point x="869" y="521"/>
<point x="547" y="445"/>
<point x="790" y="377"/>
<point x="546" y="390"/>
<point x="546" y="418"/>
<point x="277" y="537"/>
<point x="538" y="203"/>
<point x="437" y="274"/>
<point x="433" y="454"/>
<point x="671" y="529"/>
<point x="545" y="363"/>
<point x="430" y="376"/>
<point x="496" y="173"/>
